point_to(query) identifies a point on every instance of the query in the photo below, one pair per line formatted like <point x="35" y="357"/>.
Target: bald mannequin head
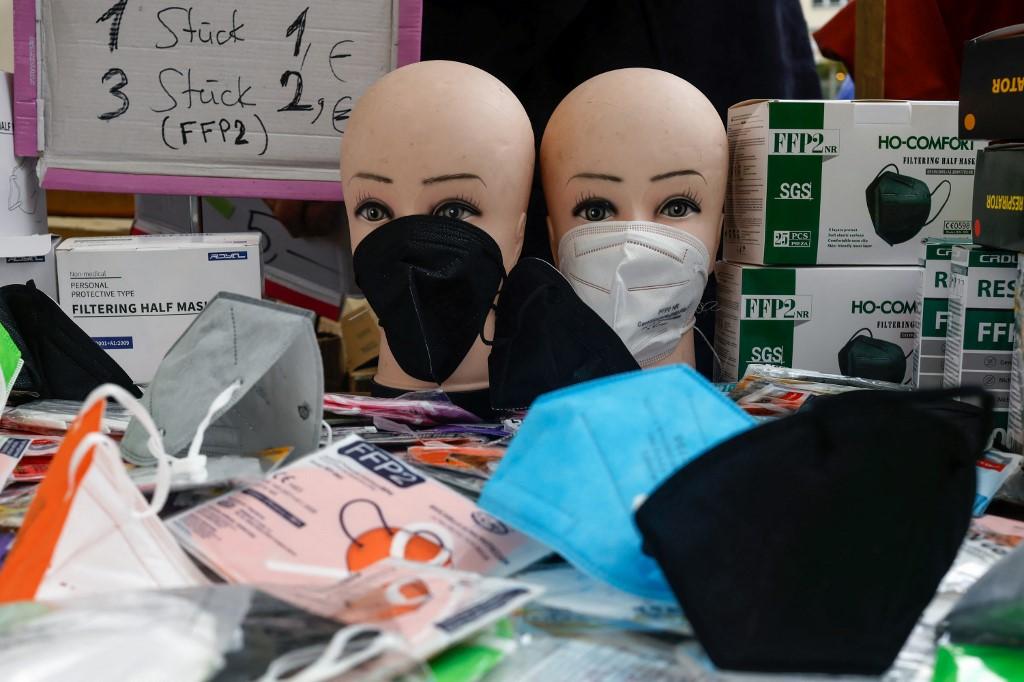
<point x="636" y="145"/>
<point x="439" y="138"/>
<point x="635" y="138"/>
<point x="434" y="131"/>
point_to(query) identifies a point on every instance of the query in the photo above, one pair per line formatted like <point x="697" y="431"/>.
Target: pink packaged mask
<point x="340" y="510"/>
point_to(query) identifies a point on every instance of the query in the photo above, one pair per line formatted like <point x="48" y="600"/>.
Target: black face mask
<point x="61" y="360"/>
<point x="546" y="338"/>
<point x="431" y="281"/>
<point x="899" y="205"/>
<point x="870" y="358"/>
<point x="813" y="543"/>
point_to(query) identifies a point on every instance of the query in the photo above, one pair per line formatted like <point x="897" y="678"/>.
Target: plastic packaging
<point x="574" y="600"/>
<point x="426" y="408"/>
<point x="768" y="391"/>
<point x="473" y="660"/>
<point x="55" y="416"/>
<point x="221" y="633"/>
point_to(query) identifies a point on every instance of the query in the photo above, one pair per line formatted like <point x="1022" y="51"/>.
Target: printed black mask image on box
<point x="866" y="357"/>
<point x="899" y="205"/>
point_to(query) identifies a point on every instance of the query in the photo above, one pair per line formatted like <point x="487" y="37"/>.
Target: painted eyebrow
<point x="677" y="173"/>
<point x="373" y="176"/>
<point x="453" y="176"/>
<point x="595" y="176"/>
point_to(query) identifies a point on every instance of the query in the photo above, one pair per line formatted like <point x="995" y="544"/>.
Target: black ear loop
<point x="380" y="515"/>
<point x="888" y="165"/>
<point x="494" y="307"/>
<point x="907" y="357"/>
<point x="949" y="193"/>
<point x="856" y="333"/>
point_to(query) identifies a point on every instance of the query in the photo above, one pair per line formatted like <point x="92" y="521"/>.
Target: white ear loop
<point x="405" y="534"/>
<point x="155" y="442"/>
<point x="90" y="441"/>
<point x="106" y="446"/>
<point x="193" y="464"/>
<point x="393" y="593"/>
<point x="320" y="664"/>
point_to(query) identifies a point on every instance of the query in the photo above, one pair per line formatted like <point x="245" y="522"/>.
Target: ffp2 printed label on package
<point x="805" y="188"/>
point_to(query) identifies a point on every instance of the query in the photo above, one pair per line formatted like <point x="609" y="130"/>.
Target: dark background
<point x="541" y="49"/>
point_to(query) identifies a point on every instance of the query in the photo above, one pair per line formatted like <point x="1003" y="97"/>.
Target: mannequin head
<point x="636" y="145"/>
<point x="447" y="139"/>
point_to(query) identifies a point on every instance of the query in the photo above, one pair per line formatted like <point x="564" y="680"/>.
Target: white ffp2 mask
<point x="644" y="279"/>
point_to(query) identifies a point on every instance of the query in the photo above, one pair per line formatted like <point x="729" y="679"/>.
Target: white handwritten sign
<point x="204" y="97"/>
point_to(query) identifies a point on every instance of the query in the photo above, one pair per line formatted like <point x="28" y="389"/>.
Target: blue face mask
<point x="587" y="455"/>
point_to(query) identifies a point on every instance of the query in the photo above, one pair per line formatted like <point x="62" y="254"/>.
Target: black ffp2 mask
<point x="870" y="358"/>
<point x="431" y="281"/>
<point x="813" y="543"/>
<point x="61" y="360"/>
<point x="899" y="205"/>
<point x="546" y="338"/>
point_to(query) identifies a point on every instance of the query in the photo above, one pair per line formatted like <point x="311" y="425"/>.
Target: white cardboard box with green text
<point x="845" y="183"/>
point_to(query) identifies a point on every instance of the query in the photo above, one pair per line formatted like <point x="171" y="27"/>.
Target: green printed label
<point x="769" y="309"/>
<point x="988" y="330"/>
<point x="10" y="361"/>
<point x="992" y="258"/>
<point x="935" y="317"/>
<point x="1000" y="419"/>
<point x="797" y="146"/>
<point x="807" y="115"/>
<point x="938" y="251"/>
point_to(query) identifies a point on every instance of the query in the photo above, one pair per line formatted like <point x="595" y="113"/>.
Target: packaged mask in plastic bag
<point x="344" y="508"/>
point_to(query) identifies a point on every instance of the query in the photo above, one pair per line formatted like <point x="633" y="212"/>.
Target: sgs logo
<point x="768" y="354"/>
<point x="799" y="191"/>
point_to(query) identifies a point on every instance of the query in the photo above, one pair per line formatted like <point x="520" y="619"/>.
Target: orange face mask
<point x="422" y="542"/>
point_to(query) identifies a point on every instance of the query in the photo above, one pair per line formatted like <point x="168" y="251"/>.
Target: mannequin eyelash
<point x="590" y="199"/>
<point x="689" y="195"/>
<point x="468" y="201"/>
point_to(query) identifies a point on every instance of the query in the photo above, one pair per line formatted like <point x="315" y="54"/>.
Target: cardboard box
<point x="360" y="382"/>
<point x="136" y="295"/>
<point x="822" y="319"/>
<point x="998" y="211"/>
<point x="933" y="309"/>
<point x="992" y="86"/>
<point x="979" y="336"/>
<point x="1015" y="419"/>
<point x="844" y="183"/>
<point x="313" y="273"/>
<point x="41" y="268"/>
<point x="360" y="334"/>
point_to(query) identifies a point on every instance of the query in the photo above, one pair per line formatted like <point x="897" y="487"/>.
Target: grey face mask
<point x="270" y="350"/>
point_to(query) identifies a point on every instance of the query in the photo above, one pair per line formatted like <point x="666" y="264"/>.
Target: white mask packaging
<point x="644" y="279"/>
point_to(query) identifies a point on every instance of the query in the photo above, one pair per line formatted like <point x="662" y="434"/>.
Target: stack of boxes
<point x="828" y="207"/>
<point x="992" y="108"/>
<point x="979" y="337"/>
